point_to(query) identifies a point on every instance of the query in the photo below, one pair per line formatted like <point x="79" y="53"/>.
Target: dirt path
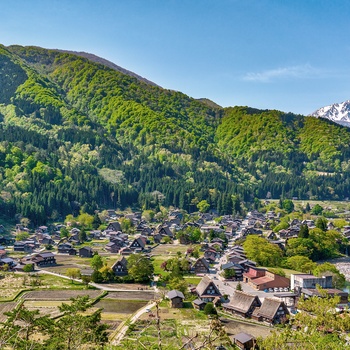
<point x="125" y="325"/>
<point x="99" y="286"/>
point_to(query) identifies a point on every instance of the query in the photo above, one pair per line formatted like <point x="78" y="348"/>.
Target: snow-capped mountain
<point x="337" y="112"/>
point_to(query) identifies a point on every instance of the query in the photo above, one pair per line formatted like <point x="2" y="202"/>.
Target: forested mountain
<point x="76" y="134"/>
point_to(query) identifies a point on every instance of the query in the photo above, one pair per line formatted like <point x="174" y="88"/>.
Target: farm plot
<point x="235" y="326"/>
<point x="65" y="262"/>
<point x="169" y="249"/>
<point x="116" y="306"/>
<point x="12" y="284"/>
<point x="46" y="308"/>
<point x="5" y="307"/>
<point x="52" y="295"/>
<point x="139" y="295"/>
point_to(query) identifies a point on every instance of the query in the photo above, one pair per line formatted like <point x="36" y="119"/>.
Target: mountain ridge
<point x="337" y="112"/>
<point x="78" y="135"/>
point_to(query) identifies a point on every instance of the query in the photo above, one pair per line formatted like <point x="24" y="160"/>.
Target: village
<point x="217" y="270"/>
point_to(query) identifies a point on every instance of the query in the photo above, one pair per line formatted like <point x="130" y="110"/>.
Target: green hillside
<point x="78" y="135"/>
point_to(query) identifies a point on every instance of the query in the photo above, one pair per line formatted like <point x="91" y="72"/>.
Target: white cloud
<point x="296" y="72"/>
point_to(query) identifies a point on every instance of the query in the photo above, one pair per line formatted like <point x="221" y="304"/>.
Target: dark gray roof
<point x="175" y="294"/>
<point x="121" y="261"/>
<point x="243" y="337"/>
<point x="198" y="302"/>
<point x="46" y="254"/>
<point x="228" y="265"/>
<point x="285" y="295"/>
<point x="87" y="248"/>
<point x="204" y="262"/>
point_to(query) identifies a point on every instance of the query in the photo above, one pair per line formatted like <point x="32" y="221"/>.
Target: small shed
<point x="176" y="298"/>
<point x="244" y="341"/>
<point x="199" y="304"/>
<point x="86" y="252"/>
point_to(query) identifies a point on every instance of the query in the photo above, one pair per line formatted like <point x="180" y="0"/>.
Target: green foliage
<point x="262" y="252"/>
<point x="209" y="309"/>
<point x="316" y="210"/>
<point x="203" y="206"/>
<point x="321" y="223"/>
<point x="328" y="269"/>
<point x="304" y="231"/>
<point x="190" y="234"/>
<point x="73" y="273"/>
<point x="319" y="245"/>
<point x="177" y="283"/>
<point x="278" y="271"/>
<point x="229" y="273"/>
<point x="25" y="329"/>
<point x="300" y="263"/>
<point x="288" y="205"/>
<point x="22" y="236"/>
<point x="317" y="326"/>
<point x="28" y="268"/>
<point x="96" y="262"/>
<point x="140" y="267"/>
<point x="77" y="136"/>
<point x="281" y="226"/>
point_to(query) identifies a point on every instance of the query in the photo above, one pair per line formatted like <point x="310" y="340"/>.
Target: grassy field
<point x="192" y="280"/>
<point x="56" y="282"/>
<point x="157" y="262"/>
<point x="341" y="208"/>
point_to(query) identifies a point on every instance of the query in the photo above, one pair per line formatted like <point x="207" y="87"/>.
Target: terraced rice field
<point x="52" y="295"/>
<point x="6" y="307"/>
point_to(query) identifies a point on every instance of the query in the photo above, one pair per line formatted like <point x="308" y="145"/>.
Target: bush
<point x="209" y="309"/>
<point x="28" y="268"/>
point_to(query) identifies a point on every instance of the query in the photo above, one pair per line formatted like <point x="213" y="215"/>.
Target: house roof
<point x="204" y="262"/>
<point x="87" y="248"/>
<point x="269" y="308"/>
<point x="198" y="302"/>
<point x="121" y="261"/>
<point x="228" y="265"/>
<point x="243" y="337"/>
<point x="261" y="280"/>
<point x="45" y="254"/>
<point x="175" y="294"/>
<point x="203" y="286"/>
<point x="242" y="301"/>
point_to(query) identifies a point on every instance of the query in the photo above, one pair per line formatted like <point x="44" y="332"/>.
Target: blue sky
<point x="291" y="55"/>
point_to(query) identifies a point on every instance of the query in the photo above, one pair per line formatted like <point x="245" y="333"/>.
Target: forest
<point x="76" y="135"/>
